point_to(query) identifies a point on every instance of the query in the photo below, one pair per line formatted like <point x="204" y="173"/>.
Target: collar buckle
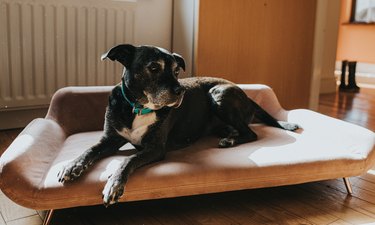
<point x="137" y="108"/>
<point x="137" y="111"/>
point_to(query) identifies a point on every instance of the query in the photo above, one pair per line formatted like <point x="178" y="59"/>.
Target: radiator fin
<point x="48" y="44"/>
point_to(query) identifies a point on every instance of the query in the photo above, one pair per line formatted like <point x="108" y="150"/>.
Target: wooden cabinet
<point x="252" y="41"/>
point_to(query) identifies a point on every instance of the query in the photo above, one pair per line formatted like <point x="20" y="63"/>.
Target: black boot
<point x="343" y="75"/>
<point x="352" y="86"/>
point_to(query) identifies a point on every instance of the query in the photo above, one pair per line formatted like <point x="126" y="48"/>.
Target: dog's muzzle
<point x="180" y="99"/>
<point x="178" y="90"/>
<point x="164" y="98"/>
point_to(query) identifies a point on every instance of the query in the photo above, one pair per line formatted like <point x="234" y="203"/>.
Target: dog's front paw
<point x="113" y="190"/>
<point x="227" y="142"/>
<point x="71" y="171"/>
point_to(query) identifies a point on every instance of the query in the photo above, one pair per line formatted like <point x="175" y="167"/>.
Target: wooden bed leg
<point x="48" y="217"/>
<point x="348" y="185"/>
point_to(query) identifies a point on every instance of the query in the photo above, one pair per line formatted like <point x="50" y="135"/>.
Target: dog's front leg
<point x="115" y="185"/>
<point x="108" y="145"/>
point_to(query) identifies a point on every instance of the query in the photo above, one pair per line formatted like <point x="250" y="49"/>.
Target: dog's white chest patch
<point x="139" y="128"/>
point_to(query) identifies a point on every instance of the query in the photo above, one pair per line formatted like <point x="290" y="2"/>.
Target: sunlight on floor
<point x="372" y="172"/>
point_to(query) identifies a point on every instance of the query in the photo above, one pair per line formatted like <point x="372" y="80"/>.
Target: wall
<point x="330" y="16"/>
<point x="252" y="41"/>
<point x="183" y="32"/>
<point x="46" y="45"/>
<point x="356" y="41"/>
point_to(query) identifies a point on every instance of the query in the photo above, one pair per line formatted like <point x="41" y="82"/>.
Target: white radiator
<point x="49" y="44"/>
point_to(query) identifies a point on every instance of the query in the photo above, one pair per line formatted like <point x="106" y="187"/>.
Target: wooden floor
<point x="357" y="108"/>
<point x="323" y="202"/>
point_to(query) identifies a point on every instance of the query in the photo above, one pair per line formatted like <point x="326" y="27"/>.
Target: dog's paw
<point x="113" y="190"/>
<point x="227" y="132"/>
<point x="289" y="126"/>
<point x="226" y="142"/>
<point x="71" y="171"/>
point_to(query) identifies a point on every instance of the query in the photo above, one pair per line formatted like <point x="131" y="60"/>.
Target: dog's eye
<point x="154" y="67"/>
<point x="177" y="71"/>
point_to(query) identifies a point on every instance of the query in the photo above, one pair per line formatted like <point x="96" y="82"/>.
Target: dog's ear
<point x="121" y="53"/>
<point x="180" y="61"/>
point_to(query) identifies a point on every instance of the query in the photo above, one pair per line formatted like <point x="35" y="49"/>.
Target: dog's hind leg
<point x="269" y="120"/>
<point x="245" y="134"/>
<point x="224" y="130"/>
<point x="230" y="105"/>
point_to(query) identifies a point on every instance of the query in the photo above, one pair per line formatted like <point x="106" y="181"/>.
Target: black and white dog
<point x="156" y="112"/>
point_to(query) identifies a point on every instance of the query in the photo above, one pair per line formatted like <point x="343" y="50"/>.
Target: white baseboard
<point x="365" y="73"/>
<point x="361" y="78"/>
<point x="20" y="118"/>
<point x="365" y="79"/>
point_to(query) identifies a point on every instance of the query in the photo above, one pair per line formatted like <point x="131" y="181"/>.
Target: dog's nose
<point x="178" y="90"/>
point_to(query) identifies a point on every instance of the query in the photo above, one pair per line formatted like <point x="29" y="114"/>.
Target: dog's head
<point x="150" y="74"/>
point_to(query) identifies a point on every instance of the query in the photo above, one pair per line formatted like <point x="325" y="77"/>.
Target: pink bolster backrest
<point x="79" y="109"/>
<point x="82" y="109"/>
<point x="263" y="96"/>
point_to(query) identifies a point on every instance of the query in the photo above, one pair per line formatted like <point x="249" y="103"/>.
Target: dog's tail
<point x="264" y="117"/>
